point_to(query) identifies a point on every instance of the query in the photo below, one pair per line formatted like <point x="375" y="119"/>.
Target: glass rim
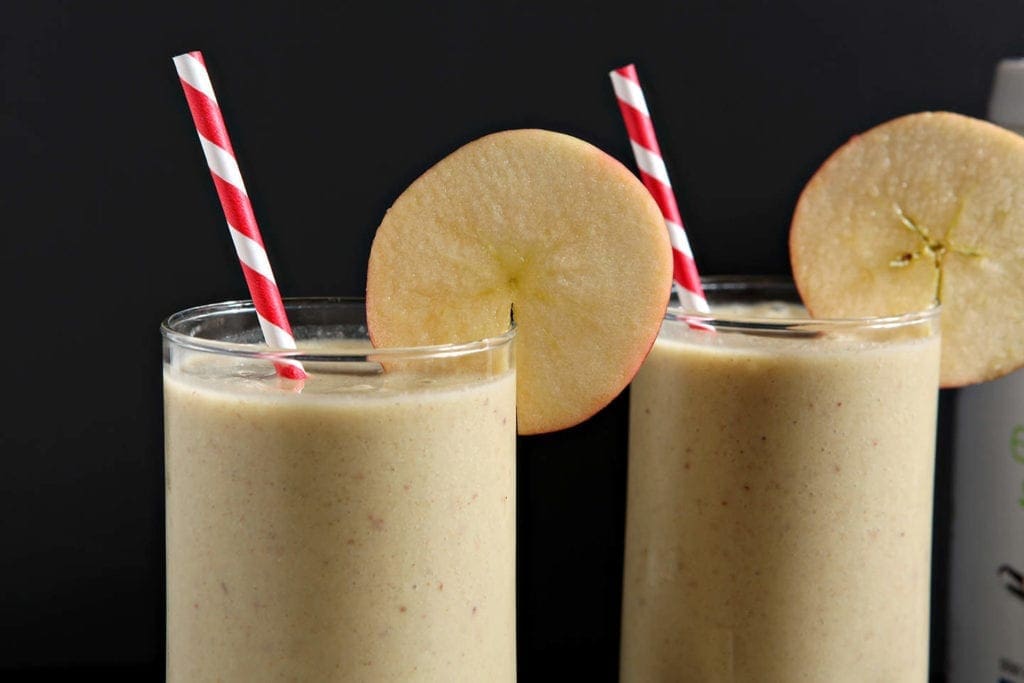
<point x="750" y="283"/>
<point x="170" y="330"/>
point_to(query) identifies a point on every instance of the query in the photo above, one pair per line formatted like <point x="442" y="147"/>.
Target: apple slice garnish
<point x="542" y="227"/>
<point x="926" y="207"/>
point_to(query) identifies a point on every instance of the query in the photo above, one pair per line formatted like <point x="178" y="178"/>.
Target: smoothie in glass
<point x="359" y="526"/>
<point x="780" y="496"/>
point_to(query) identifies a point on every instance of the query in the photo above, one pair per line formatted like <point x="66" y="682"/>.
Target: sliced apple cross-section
<point x="926" y="207"/>
<point x="542" y="226"/>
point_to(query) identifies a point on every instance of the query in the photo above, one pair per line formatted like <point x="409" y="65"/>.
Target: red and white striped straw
<point x="227" y="178"/>
<point x="654" y="175"/>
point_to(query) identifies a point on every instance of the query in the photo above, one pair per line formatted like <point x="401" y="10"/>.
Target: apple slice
<point x="925" y="207"/>
<point x="542" y="226"/>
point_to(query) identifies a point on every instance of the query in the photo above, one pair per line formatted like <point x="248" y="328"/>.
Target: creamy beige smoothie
<point x="780" y="503"/>
<point x="359" y="529"/>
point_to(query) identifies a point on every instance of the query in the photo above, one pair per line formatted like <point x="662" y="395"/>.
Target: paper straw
<point x="654" y="175"/>
<point x="227" y="178"/>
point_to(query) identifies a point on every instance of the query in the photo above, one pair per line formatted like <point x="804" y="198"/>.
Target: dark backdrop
<point x="111" y="223"/>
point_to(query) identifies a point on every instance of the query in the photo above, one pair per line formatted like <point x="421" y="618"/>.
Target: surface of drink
<point x="359" y="528"/>
<point x="780" y="498"/>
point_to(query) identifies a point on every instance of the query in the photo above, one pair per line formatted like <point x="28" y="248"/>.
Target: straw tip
<point x="194" y="54"/>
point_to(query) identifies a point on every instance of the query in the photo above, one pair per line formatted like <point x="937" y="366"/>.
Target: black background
<point x="110" y="223"/>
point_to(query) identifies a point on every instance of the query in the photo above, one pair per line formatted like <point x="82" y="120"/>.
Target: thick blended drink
<point x="359" y="526"/>
<point x="780" y="496"/>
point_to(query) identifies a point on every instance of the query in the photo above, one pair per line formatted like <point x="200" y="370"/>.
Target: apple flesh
<point x="539" y="225"/>
<point x="926" y="207"/>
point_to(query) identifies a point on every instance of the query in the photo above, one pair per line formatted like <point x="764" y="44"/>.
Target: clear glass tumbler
<point x="779" y="512"/>
<point x="359" y="525"/>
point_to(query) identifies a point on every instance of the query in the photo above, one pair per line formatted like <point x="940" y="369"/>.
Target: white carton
<point x="985" y="637"/>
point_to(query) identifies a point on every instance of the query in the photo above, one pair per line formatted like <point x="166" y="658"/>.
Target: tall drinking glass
<point x="779" y="507"/>
<point x="357" y="526"/>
